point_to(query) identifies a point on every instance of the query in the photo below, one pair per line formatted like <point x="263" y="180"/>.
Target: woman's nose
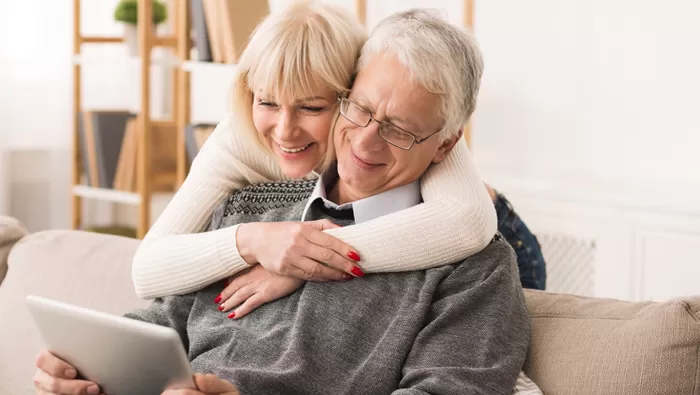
<point x="286" y="129"/>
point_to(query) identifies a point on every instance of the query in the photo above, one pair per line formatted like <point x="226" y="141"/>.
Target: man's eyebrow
<point x="412" y="126"/>
<point x="360" y="99"/>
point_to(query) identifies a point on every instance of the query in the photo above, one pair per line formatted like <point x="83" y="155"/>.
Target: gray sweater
<point x="456" y="329"/>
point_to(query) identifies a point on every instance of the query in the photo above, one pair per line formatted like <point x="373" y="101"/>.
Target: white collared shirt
<point x="369" y="208"/>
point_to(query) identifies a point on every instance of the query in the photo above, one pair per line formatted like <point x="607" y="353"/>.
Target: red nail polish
<point x="218" y="299"/>
<point x="357" y="271"/>
<point x="221" y="307"/>
<point x="354" y="256"/>
<point x="232" y="315"/>
<point x="347" y="277"/>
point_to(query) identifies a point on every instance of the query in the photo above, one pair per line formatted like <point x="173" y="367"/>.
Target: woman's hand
<point x="207" y="384"/>
<point x="57" y="377"/>
<point x="298" y="249"/>
<point x="253" y="288"/>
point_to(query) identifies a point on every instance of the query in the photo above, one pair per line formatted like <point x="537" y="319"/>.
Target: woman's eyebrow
<point x="310" y="98"/>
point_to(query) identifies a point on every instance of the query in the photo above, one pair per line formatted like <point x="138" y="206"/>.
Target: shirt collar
<point x="369" y="208"/>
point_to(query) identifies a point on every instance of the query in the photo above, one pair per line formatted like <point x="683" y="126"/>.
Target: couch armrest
<point x="11" y="230"/>
<point x="85" y="269"/>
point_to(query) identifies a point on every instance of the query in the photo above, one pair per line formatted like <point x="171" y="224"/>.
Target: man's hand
<point x="298" y="249"/>
<point x="57" y="377"/>
<point x="253" y="288"/>
<point x="207" y="384"/>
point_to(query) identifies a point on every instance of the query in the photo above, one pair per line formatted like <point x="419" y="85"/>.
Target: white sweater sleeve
<point x="456" y="220"/>
<point x="178" y="257"/>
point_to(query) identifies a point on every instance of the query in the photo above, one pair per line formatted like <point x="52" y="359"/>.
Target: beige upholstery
<point x="600" y="346"/>
<point x="81" y="268"/>
<point x="579" y="345"/>
<point x="10" y="233"/>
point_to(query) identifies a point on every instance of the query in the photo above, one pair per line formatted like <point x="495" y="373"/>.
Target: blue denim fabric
<point x="533" y="273"/>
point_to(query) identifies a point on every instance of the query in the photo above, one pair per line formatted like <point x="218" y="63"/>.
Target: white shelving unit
<point x="179" y="45"/>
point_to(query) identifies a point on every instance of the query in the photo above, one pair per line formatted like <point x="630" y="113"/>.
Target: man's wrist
<point x="244" y="242"/>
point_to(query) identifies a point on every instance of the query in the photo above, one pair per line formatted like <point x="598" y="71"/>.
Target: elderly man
<point x="456" y="329"/>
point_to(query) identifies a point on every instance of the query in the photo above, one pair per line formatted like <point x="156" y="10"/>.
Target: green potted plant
<point x="127" y="13"/>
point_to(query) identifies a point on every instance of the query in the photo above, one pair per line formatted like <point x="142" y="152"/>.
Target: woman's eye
<point x="312" y="109"/>
<point x="265" y="103"/>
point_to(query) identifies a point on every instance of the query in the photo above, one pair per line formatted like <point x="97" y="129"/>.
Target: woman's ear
<point x="447" y="146"/>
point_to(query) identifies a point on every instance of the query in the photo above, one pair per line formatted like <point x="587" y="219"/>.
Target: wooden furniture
<point x="468" y="22"/>
<point x="147" y="40"/>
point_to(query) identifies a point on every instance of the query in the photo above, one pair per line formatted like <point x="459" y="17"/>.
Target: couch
<point x="580" y="345"/>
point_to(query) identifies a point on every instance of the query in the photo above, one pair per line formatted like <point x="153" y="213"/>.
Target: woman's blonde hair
<point x="307" y="45"/>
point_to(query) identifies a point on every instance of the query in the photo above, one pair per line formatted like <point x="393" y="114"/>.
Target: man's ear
<point x="447" y="146"/>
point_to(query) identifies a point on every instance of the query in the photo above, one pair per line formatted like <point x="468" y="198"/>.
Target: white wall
<point x="609" y="87"/>
<point x="587" y="119"/>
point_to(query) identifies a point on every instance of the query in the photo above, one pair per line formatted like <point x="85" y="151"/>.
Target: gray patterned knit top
<point x="456" y="329"/>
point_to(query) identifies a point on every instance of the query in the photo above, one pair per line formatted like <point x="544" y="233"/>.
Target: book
<point x="201" y="35"/>
<point x="163" y="169"/>
<point x="195" y="136"/>
<point x="101" y="134"/>
<point x="239" y="18"/>
<point x="211" y="16"/>
<point x="126" y="167"/>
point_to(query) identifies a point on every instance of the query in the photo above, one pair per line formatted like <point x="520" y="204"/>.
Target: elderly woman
<point x="457" y="328"/>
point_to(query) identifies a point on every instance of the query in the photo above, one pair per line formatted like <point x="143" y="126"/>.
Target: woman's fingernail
<point x="232" y="315"/>
<point x="93" y="389"/>
<point x="218" y="299"/>
<point x="354" y="256"/>
<point x="357" y="271"/>
<point x="70" y="373"/>
<point x="221" y="307"/>
<point x="347" y="277"/>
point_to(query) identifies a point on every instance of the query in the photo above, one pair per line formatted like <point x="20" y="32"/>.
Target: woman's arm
<point x="174" y="257"/>
<point x="456" y="221"/>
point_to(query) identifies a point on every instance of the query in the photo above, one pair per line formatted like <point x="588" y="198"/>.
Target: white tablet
<point x="123" y="356"/>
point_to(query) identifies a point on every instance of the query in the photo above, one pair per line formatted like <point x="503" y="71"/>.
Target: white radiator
<point x="570" y="263"/>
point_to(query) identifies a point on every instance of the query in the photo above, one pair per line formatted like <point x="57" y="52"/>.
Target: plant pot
<point x="131" y="38"/>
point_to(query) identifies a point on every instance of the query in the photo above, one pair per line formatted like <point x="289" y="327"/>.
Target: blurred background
<point x="587" y="120"/>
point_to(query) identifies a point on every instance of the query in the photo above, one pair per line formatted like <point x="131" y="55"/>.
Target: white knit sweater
<point x="457" y="220"/>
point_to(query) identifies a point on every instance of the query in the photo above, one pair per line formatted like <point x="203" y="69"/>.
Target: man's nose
<point x="368" y="138"/>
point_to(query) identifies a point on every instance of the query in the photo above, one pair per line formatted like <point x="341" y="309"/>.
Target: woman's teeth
<point x="294" y="150"/>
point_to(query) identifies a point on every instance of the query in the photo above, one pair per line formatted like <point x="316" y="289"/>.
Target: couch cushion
<point x="10" y="232"/>
<point x="600" y="346"/>
<point x="81" y="268"/>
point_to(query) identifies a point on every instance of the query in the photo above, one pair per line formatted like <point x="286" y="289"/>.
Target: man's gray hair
<point x="443" y="58"/>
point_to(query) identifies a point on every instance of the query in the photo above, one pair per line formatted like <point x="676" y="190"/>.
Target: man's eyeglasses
<point x="389" y="132"/>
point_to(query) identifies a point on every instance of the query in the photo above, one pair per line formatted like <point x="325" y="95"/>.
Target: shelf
<point x="112" y="195"/>
<point x="131" y="61"/>
<point x="194" y="66"/>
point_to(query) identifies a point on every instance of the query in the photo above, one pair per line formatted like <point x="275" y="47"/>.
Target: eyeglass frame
<point x="416" y="139"/>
